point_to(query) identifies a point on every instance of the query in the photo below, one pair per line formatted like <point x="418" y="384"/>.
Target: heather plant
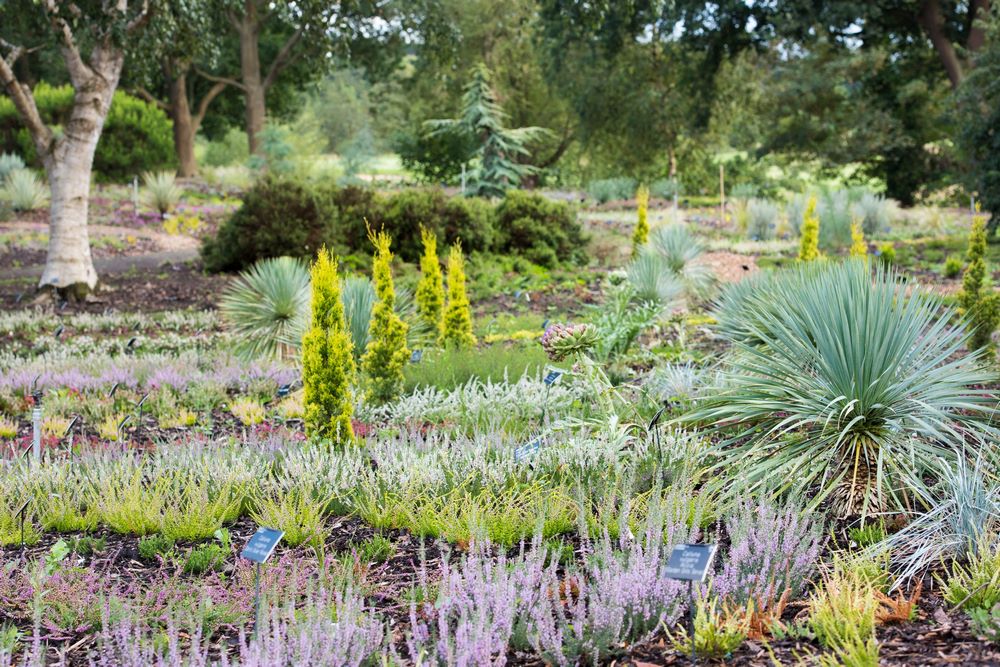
<point x="773" y="551"/>
<point x="456" y="324"/>
<point x="248" y="411"/>
<point x="717" y="633"/>
<point x="327" y="359"/>
<point x="641" y="234"/>
<point x="430" y="289"/>
<point x="975" y="583"/>
<point x="977" y="301"/>
<point x="294" y="510"/>
<point x="818" y="406"/>
<point x="842" y="614"/>
<point x="809" y="242"/>
<point x="129" y="504"/>
<point x="386" y="354"/>
<point x="152" y="547"/>
<point x="197" y="507"/>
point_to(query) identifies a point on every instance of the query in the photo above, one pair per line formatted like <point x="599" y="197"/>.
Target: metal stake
<point x="256" y="596"/>
<point x="694" y="658"/>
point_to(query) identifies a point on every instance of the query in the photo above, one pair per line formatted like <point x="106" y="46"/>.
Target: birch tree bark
<point x="69" y="157"/>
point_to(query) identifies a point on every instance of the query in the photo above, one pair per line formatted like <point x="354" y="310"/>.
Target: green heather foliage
<point x="137" y="136"/>
<point x="430" y="289"/>
<point x="267" y="307"/>
<point x="840" y="378"/>
<point x="327" y="359"/>
<point x="977" y="300"/>
<point x="279" y="217"/>
<point x="387" y="353"/>
<point x="456" y="325"/>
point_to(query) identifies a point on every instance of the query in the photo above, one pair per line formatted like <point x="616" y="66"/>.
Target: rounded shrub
<point x="543" y="231"/>
<point x="279" y="216"/>
<point x="449" y="218"/>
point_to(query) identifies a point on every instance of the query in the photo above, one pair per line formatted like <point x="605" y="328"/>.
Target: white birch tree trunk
<point x="69" y="265"/>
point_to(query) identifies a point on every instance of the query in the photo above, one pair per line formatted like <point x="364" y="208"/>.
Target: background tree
<point x="184" y="39"/>
<point x="497" y="146"/>
<point x="90" y="37"/>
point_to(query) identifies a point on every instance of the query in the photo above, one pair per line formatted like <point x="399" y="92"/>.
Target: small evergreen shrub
<point x="544" y="232"/>
<point x="641" y="234"/>
<point x="809" y="244"/>
<point x="858" y="246"/>
<point x="279" y="217"/>
<point x="327" y="360"/>
<point x="952" y="266"/>
<point x="977" y="300"/>
<point x="450" y="218"/>
<point x="430" y="289"/>
<point x="456" y="327"/>
<point x="387" y="353"/>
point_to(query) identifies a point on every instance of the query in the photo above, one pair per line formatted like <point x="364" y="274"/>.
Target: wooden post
<point x="722" y="192"/>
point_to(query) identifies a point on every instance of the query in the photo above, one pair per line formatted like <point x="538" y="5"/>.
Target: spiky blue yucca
<point x="844" y="381"/>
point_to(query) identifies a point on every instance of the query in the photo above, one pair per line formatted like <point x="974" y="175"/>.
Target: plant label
<point x="261" y="545"/>
<point x="114" y="388"/>
<point x="284" y="390"/>
<point x="552" y="376"/>
<point x="656" y="418"/>
<point x="524" y="451"/>
<point x="416" y="356"/>
<point x="691" y="562"/>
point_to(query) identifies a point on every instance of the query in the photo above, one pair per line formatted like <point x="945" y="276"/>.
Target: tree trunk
<point x="69" y="266"/>
<point x="932" y="21"/>
<point x="184" y="129"/>
<point x="253" y="84"/>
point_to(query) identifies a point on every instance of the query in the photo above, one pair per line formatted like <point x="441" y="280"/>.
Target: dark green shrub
<point x="137" y="136"/>
<point x="543" y="231"/>
<point x="152" y="546"/>
<point x="279" y="216"/>
<point x="353" y="205"/>
<point x="449" y="218"/>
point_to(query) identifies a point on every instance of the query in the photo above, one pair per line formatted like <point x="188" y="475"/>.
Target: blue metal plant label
<point x="262" y="544"/>
<point x="691" y="562"/>
<point x="552" y="377"/>
<point x="416" y="356"/>
<point x="527" y="450"/>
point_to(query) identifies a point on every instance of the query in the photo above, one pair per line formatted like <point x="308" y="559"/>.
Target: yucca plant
<point x="843" y="382"/>
<point x="358" y="293"/>
<point x="161" y="191"/>
<point x="677" y="250"/>
<point x="652" y="279"/>
<point x="8" y="163"/>
<point x="267" y="307"/>
<point x="24" y="190"/>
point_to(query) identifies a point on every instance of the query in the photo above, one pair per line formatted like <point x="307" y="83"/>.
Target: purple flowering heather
<point x="772" y="549"/>
<point x="171" y="377"/>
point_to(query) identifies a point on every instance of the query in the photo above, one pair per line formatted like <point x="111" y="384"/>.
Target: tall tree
<point x="91" y="37"/>
<point x="184" y="39"/>
<point x="310" y="33"/>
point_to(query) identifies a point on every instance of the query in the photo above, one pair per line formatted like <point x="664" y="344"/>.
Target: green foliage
<point x="809" y="244"/>
<point x="153" y="546"/>
<point x="716" y="634"/>
<point x="386" y="354"/>
<point x="842" y="615"/>
<point x="137" y="136"/>
<point x="231" y="149"/>
<point x="839" y="378"/>
<point x="449" y="368"/>
<point x="545" y="232"/>
<point x="449" y="218"/>
<point x="762" y="219"/>
<point x="641" y="234"/>
<point x="8" y="163"/>
<point x="608" y="189"/>
<point x="985" y="623"/>
<point x="209" y="557"/>
<point x="279" y="217"/>
<point x="430" y="289"/>
<point x="24" y="190"/>
<point x="498" y="148"/>
<point x="10" y="637"/>
<point x="376" y="549"/>
<point x="975" y="584"/>
<point x="161" y="192"/>
<point x="295" y="511"/>
<point x="887" y="254"/>
<point x="977" y="300"/>
<point x="456" y="324"/>
<point x="267" y="307"/>
<point x="858" y="246"/>
<point x="327" y="359"/>
<point x="952" y="267"/>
